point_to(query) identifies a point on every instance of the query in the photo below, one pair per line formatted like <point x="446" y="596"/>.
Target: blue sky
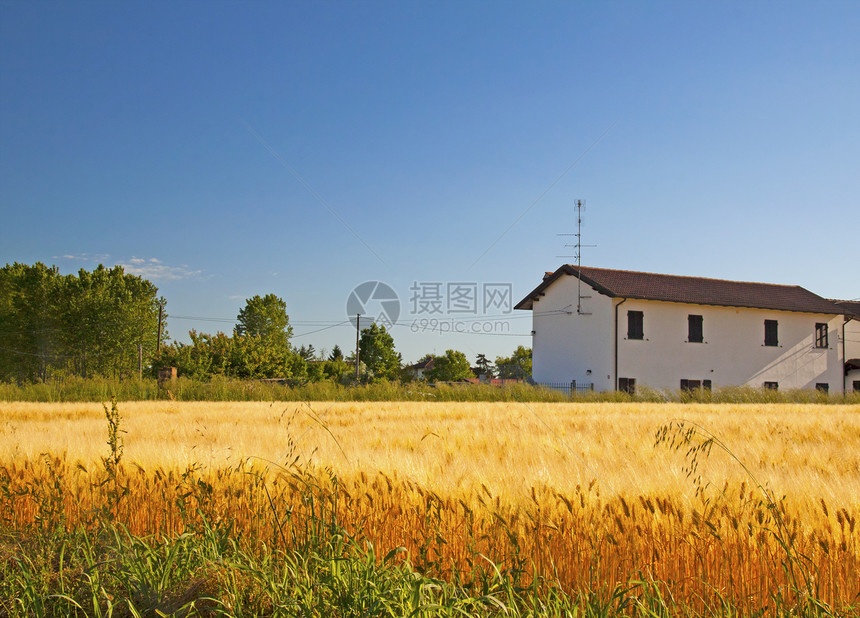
<point x="228" y="149"/>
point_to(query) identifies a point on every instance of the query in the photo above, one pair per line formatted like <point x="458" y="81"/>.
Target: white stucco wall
<point x="733" y="351"/>
<point x="567" y="345"/>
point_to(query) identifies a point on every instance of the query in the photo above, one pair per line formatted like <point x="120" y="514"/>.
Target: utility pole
<point x="357" y="332"/>
<point x="160" y="314"/>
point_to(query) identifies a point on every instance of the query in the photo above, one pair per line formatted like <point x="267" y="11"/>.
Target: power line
<point x="200" y="318"/>
<point x="234" y="320"/>
<point x="320" y="329"/>
<point x="499" y="317"/>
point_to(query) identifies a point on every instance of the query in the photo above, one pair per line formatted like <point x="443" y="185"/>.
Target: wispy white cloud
<point x="148" y="268"/>
<point x="84" y="257"/>
<point x="155" y="270"/>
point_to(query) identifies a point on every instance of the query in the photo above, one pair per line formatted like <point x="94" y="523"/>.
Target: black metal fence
<point x="569" y="388"/>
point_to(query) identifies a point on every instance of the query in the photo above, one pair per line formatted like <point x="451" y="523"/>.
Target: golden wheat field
<point x="578" y="494"/>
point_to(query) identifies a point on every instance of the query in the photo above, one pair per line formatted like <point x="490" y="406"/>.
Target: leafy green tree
<point x="29" y="315"/>
<point x="206" y="356"/>
<point x="376" y="351"/>
<point x="257" y="357"/>
<point x="261" y="342"/>
<point x="316" y="371"/>
<point x="335" y="367"/>
<point x="89" y="324"/>
<point x="265" y="316"/>
<point x="450" y="367"/>
<point x="106" y="314"/>
<point x="517" y="366"/>
<point x="245" y="357"/>
<point x="296" y="369"/>
<point x="258" y="349"/>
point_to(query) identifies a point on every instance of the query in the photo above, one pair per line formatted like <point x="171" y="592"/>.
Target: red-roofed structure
<point x="616" y="329"/>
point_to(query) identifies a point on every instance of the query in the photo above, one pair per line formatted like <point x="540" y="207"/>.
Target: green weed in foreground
<point x="208" y="572"/>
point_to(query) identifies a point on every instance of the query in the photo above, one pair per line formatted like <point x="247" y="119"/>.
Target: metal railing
<point x="568" y="388"/>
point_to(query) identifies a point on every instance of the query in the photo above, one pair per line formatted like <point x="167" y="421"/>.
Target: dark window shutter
<point x="635" y="327"/>
<point x="694" y="329"/>
<point x="771" y="333"/>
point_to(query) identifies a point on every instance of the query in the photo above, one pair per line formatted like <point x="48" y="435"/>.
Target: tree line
<point x="93" y="323"/>
<point x="109" y="323"/>
<point x="259" y="348"/>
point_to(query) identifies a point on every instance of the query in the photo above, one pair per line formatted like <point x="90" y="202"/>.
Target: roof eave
<point x="566" y="269"/>
<point x="527" y="303"/>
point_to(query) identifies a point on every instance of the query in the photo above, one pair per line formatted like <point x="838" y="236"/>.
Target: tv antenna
<point x="579" y="206"/>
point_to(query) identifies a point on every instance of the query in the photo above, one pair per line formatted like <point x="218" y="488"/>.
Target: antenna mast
<point x="579" y="205"/>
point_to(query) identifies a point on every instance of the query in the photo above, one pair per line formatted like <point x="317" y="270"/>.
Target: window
<point x="771" y="386"/>
<point x="694" y="329"/>
<point x="822" y="387"/>
<point x="771" y="333"/>
<point x="627" y="385"/>
<point x="821" y="335"/>
<point x="689" y="385"/>
<point x="635" y="329"/>
<point x="856" y="385"/>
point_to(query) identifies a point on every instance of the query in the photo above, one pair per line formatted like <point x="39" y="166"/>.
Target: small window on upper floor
<point x="771" y="386"/>
<point x="821" y="339"/>
<point x="771" y="333"/>
<point x="822" y="387"/>
<point x="635" y="327"/>
<point x="695" y="333"/>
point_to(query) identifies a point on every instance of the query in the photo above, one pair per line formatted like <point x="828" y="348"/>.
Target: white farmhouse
<point x="616" y="330"/>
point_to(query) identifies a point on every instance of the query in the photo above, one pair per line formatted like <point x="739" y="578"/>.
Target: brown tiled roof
<point x="694" y="290"/>
<point x="427" y="363"/>
<point x="850" y="307"/>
